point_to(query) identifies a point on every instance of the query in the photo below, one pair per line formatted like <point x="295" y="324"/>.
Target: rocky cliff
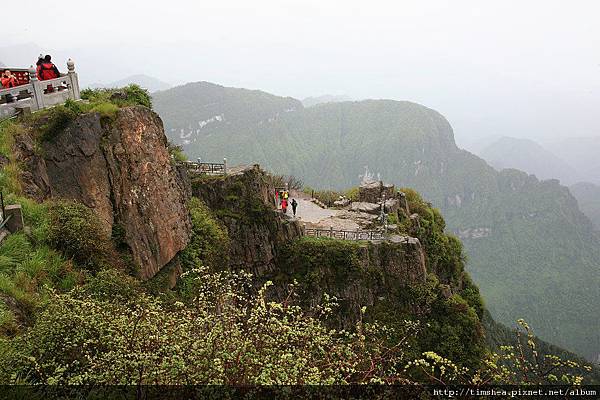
<point x="244" y="201"/>
<point x="422" y="279"/>
<point x="121" y="168"/>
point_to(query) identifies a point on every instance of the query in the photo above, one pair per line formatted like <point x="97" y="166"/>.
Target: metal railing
<point x="344" y="234"/>
<point x="206" y="168"/>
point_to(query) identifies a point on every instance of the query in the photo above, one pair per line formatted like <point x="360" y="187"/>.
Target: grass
<point x="9" y="173"/>
<point x="28" y="265"/>
<point x="131" y="95"/>
<point x="106" y="102"/>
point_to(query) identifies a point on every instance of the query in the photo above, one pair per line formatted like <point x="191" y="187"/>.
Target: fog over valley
<point x="505" y="68"/>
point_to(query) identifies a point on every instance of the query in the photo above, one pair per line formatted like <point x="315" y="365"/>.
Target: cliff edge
<point x="121" y="168"/>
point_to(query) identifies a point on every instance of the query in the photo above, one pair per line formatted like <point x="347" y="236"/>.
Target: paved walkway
<point x="313" y="215"/>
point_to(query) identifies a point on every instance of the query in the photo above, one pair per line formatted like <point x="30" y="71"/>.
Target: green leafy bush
<point x="76" y="232"/>
<point x="177" y="153"/>
<point x="223" y="337"/>
<point x="209" y="244"/>
<point x="132" y="95"/>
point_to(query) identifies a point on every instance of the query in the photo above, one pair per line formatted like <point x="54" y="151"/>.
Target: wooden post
<point x="38" y="91"/>
<point x="74" y="80"/>
<point x="15" y="223"/>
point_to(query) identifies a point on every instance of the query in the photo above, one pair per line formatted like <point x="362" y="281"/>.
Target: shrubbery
<point x="132" y="95"/>
<point x="222" y="336"/>
<point x="76" y="232"/>
<point x="327" y="197"/>
<point x="209" y="244"/>
<point x="49" y="122"/>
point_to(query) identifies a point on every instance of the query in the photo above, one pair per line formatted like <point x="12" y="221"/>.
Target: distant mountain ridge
<point x="582" y="153"/>
<point x="529" y="156"/>
<point x="147" y="82"/>
<point x="533" y="253"/>
<point x="588" y="197"/>
<point x="533" y="158"/>
<point x="327" y="98"/>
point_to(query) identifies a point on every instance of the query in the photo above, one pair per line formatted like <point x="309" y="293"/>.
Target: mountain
<point x="533" y="253"/>
<point x="147" y="82"/>
<point x="588" y="197"/>
<point x="528" y="156"/>
<point x="119" y="263"/>
<point x="116" y="228"/>
<point x="582" y="154"/>
<point x="327" y="98"/>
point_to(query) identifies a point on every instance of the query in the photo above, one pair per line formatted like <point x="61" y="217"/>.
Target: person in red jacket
<point x="47" y="70"/>
<point x="9" y="80"/>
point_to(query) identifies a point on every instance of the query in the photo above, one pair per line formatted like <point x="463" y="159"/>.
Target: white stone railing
<point x="37" y="95"/>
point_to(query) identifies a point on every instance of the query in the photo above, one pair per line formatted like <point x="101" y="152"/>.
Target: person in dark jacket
<point x="294" y="204"/>
<point x="38" y="65"/>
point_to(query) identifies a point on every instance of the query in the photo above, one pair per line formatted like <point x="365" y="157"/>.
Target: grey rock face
<point x="244" y="201"/>
<point x="122" y="170"/>
<point x="370" y="208"/>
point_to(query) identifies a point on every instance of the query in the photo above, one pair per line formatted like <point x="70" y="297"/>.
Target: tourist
<point x="38" y="66"/>
<point x="294" y="206"/>
<point x="284" y="204"/>
<point x="47" y="69"/>
<point x="9" y="80"/>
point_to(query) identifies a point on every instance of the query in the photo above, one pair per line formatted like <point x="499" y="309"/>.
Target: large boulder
<point x="123" y="171"/>
<point x="369" y="208"/>
<point x="369" y="192"/>
<point x="374" y="192"/>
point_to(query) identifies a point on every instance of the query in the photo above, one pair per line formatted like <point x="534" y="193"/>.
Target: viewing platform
<point x="33" y="94"/>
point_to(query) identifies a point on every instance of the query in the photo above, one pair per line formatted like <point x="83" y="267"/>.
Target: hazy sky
<point x="517" y="68"/>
